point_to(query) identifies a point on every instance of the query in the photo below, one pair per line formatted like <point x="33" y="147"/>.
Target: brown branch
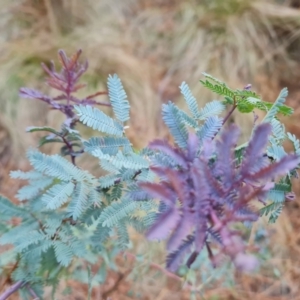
<point x="117" y="181"/>
<point x="96" y="94"/>
<point x="117" y="283"/>
<point x="8" y="277"/>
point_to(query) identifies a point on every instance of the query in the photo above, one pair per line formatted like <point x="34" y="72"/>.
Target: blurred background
<point x="154" y="45"/>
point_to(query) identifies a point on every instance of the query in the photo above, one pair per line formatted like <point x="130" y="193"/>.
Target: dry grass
<point x="154" y="46"/>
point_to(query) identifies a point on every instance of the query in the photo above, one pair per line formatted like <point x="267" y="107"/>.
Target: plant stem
<point x="117" y="181"/>
<point x="32" y="292"/>
<point x="115" y="286"/>
<point x="70" y="147"/>
<point x="231" y="111"/>
<point x="15" y="287"/>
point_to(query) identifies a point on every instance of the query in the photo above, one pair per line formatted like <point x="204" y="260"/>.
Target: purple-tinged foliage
<point x="205" y="188"/>
<point x="255" y="150"/>
<point x="175" y="154"/>
<point x="208" y="192"/>
<point x="174" y="258"/>
<point x="66" y="81"/>
<point x="165" y="222"/>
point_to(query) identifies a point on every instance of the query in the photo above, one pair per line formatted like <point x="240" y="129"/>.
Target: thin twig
<point x="97" y="94"/>
<point x="117" y="181"/>
<point x="32" y="292"/>
<point x="89" y="101"/>
<point x="70" y="147"/>
<point x="231" y="111"/>
<point x="92" y="102"/>
<point x="116" y="284"/>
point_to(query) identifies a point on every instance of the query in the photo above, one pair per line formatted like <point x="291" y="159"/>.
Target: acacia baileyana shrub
<point x="195" y="194"/>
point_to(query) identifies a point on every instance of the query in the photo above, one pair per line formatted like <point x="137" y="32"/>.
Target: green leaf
<point x="9" y="210"/>
<point x="13" y="235"/>
<point x="48" y="129"/>
<point x="210" y="109"/>
<point x="100" y="234"/>
<point x="175" y="123"/>
<point x="57" y="167"/>
<point x="210" y="128"/>
<point x="118" y="98"/>
<point x="244" y="106"/>
<point x="123" y="237"/>
<point x="275" y="214"/>
<point x="189" y="121"/>
<point x="63" y="253"/>
<point x="118" y="210"/>
<point x="25" y="175"/>
<point x="217" y="86"/>
<point x="46" y="140"/>
<point x="79" y="201"/>
<point x="189" y="99"/>
<point x="295" y="142"/>
<point x="129" y="161"/>
<point x="108" y="145"/>
<point x="58" y="194"/>
<point x="32" y="237"/>
<point x="32" y="190"/>
<point x="277" y="194"/>
<point x="276" y="106"/>
<point x="96" y="119"/>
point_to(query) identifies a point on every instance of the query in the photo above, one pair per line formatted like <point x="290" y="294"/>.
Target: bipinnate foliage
<point x="208" y="191"/>
<point x="192" y="194"/>
<point x="66" y="82"/>
<point x="245" y="99"/>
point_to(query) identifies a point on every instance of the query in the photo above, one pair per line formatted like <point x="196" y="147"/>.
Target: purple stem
<point x="68" y="91"/>
<point x="12" y="290"/>
<point x="32" y="292"/>
<point x="70" y="147"/>
<point x="231" y="111"/>
<point x="90" y="101"/>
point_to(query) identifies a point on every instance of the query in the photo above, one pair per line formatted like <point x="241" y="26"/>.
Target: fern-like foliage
<point x="210" y="128"/>
<point x="246" y="99"/>
<point x="190" y="99"/>
<point x="107" y="145"/>
<point x="172" y="118"/>
<point x="116" y="212"/>
<point x="277" y="105"/>
<point x="128" y="161"/>
<point x="206" y="195"/>
<point x="98" y="120"/>
<point x="9" y="210"/>
<point x="190" y="195"/>
<point x="212" y="108"/>
<point x="295" y="142"/>
<point x="118" y="98"/>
